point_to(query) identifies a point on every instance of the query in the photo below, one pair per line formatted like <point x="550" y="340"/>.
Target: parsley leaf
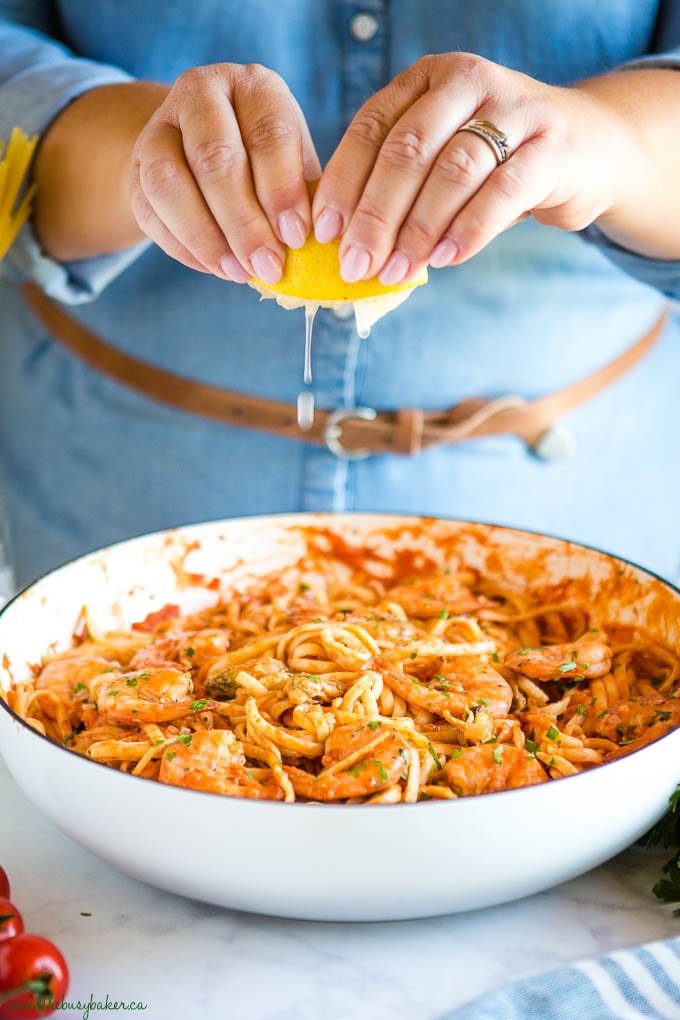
<point x="666" y="833"/>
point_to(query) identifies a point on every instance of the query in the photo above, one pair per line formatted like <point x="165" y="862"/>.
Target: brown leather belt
<point x="348" y="432"/>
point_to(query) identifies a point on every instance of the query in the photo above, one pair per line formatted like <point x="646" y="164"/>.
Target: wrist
<point x="81" y="171"/>
<point x="638" y="212"/>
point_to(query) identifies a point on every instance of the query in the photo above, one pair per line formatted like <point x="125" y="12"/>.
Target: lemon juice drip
<point x="305" y="400"/>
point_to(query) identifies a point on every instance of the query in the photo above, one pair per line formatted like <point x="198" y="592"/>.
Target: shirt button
<point x="363" y="27"/>
<point x="344" y="311"/>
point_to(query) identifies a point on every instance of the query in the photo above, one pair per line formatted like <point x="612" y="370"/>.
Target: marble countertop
<point x="180" y="958"/>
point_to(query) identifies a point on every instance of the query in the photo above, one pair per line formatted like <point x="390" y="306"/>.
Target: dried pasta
<point x="14" y="206"/>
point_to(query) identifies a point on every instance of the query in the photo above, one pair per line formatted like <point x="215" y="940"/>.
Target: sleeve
<point x="39" y="77"/>
<point x="664" y="276"/>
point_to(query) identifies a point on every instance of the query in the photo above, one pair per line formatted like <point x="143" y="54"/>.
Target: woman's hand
<point x="406" y="187"/>
<point x="218" y="172"/>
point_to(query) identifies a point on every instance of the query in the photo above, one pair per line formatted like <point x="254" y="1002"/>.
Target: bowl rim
<point x="309" y="516"/>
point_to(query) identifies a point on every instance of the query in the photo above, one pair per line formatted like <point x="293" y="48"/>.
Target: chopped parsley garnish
<point x="382" y="772"/>
<point x="68" y="737"/>
<point x="444" y="615"/>
<point x="196" y="706"/>
<point x="438" y="676"/>
<point x="553" y="733"/>
<point x="143" y="676"/>
<point x="170" y="755"/>
<point x="131" y="682"/>
<point x="495" y="657"/>
<point x="531" y="746"/>
<point x="373" y="725"/>
<point x="483" y="701"/>
<point x="112" y="694"/>
<point x="435" y="756"/>
<point x="78" y="688"/>
<point x="457" y="753"/>
<point x="303" y="587"/>
<point x="358" y="769"/>
<point x="582" y="710"/>
<point x="190" y="652"/>
<point x="498" y="755"/>
<point x="414" y="655"/>
<point x="566" y="667"/>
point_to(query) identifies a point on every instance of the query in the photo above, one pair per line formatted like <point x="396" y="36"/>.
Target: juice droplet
<point x="305" y="400"/>
<point x="305" y="410"/>
<point x="310" y="313"/>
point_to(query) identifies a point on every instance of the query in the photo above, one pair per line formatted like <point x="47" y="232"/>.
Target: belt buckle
<point x="332" y="432"/>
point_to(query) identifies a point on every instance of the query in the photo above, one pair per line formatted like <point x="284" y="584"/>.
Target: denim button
<point x="363" y="27"/>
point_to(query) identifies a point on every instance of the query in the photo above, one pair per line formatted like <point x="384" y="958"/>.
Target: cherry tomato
<point x="4" y="884"/>
<point x="11" y="923"/>
<point x="33" y="977"/>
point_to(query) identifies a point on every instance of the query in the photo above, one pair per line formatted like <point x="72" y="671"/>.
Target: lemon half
<point x="311" y="279"/>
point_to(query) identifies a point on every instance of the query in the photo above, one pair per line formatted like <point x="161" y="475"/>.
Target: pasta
<point x="14" y="166"/>
<point x="329" y="684"/>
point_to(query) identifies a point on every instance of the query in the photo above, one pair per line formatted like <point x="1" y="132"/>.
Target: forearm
<point x="82" y="204"/>
<point x="645" y="214"/>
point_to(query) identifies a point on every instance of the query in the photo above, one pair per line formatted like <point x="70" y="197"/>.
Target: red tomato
<point x="11" y="923"/>
<point x="33" y="977"/>
<point x="4" y="884"/>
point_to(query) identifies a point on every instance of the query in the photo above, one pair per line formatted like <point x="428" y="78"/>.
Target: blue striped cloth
<point x="623" y="985"/>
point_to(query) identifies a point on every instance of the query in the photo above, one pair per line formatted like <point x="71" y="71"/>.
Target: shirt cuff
<point x="660" y="274"/>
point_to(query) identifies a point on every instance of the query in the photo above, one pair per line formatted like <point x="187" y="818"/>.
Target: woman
<point x="160" y="127"/>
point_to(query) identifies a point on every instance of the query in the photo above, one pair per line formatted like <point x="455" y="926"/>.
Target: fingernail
<point x="395" y="269"/>
<point x="354" y="264"/>
<point x="267" y="265"/>
<point x="292" y="229"/>
<point x="231" y="266"/>
<point x="444" y="253"/>
<point x="328" y="225"/>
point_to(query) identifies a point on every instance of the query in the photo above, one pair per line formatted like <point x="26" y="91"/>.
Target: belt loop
<point x="409" y="431"/>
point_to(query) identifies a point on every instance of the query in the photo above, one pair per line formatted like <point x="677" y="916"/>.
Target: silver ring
<point x="492" y="136"/>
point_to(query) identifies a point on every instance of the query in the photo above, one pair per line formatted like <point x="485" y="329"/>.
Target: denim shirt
<point x="85" y="462"/>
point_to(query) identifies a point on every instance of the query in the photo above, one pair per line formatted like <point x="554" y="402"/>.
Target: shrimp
<point x="462" y="685"/>
<point x="487" y="768"/>
<point x="68" y="676"/>
<point x="190" y="650"/>
<point x="386" y="628"/>
<point x="158" y="694"/>
<point x="432" y="596"/>
<point x="584" y="659"/>
<point x="360" y="760"/>
<point x="638" y="721"/>
<point x="213" y="761"/>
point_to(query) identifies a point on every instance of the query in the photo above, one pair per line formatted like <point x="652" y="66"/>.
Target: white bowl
<point x="332" y="862"/>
